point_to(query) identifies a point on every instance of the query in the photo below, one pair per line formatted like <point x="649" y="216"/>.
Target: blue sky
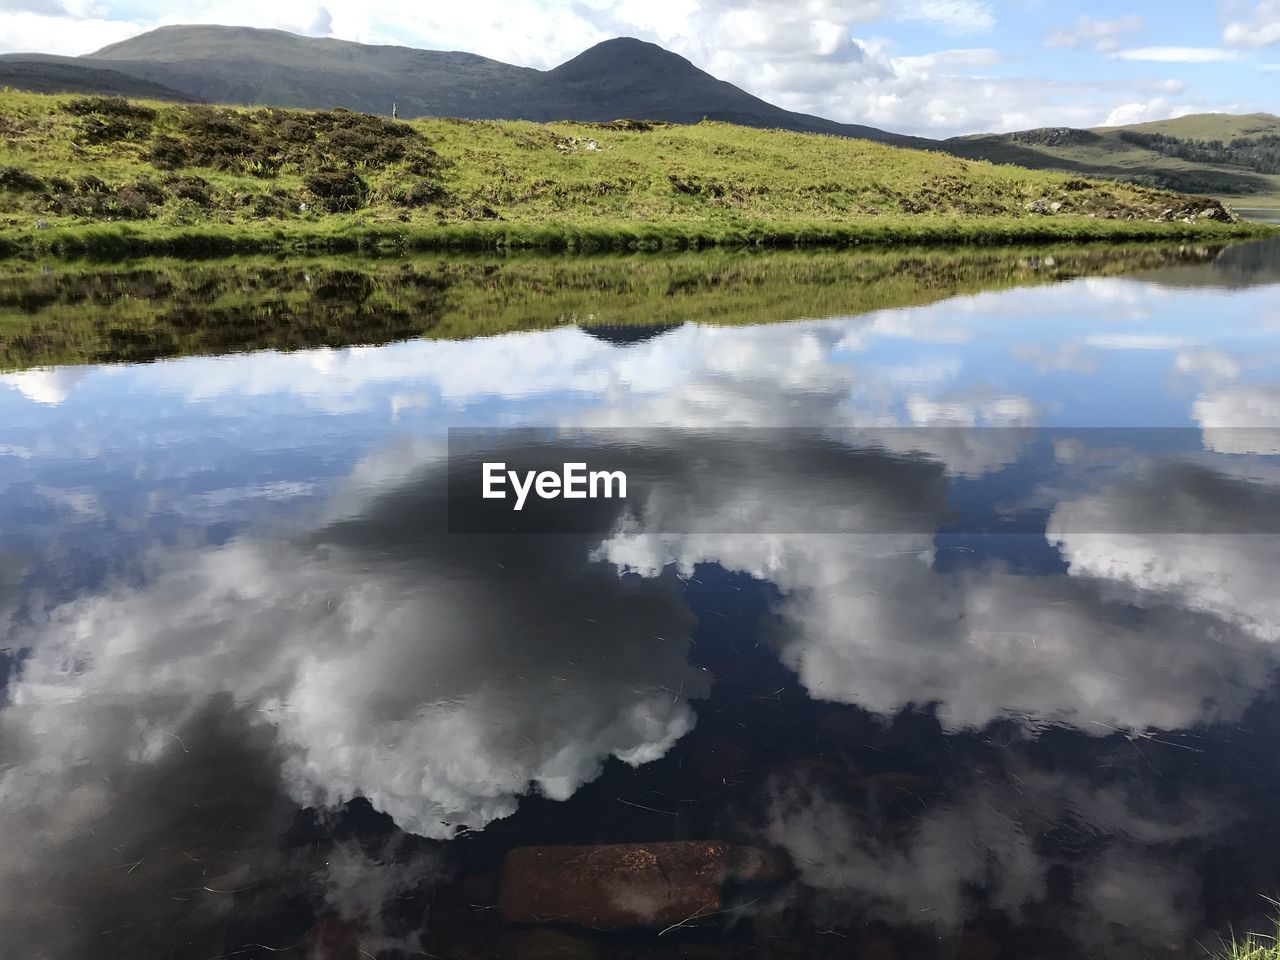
<point x="933" y="67"/>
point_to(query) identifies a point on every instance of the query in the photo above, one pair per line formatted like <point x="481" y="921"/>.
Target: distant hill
<point x="1216" y="153"/>
<point x="40" y="75"/>
<point x="615" y="79"/>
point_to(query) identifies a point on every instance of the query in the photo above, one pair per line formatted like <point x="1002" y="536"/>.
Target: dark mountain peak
<point x="622" y="77"/>
<point x="623" y="56"/>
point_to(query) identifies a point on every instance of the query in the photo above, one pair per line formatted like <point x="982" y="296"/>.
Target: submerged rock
<point x="614" y="886"/>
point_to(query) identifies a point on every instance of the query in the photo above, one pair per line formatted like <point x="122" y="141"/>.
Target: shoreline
<point x="129" y="241"/>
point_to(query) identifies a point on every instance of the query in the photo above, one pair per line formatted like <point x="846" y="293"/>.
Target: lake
<point x="938" y="620"/>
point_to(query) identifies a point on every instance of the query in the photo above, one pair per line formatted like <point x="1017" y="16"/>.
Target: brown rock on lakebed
<point x="615" y="886"/>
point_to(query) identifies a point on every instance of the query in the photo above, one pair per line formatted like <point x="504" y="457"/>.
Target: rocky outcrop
<point x="1198" y="208"/>
<point x="615" y="886"/>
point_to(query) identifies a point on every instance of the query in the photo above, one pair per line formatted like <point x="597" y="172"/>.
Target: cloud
<point x="49" y="386"/>
<point x="962" y="16"/>
<point x="868" y="620"/>
<point x="1177" y="54"/>
<point x="1103" y="35"/>
<point x="1142" y="111"/>
<point x="26" y="31"/>
<point x="440" y="677"/>
<point x="817" y="56"/>
<point x="988" y="838"/>
<point x="1243" y="418"/>
<point x="1258" y="27"/>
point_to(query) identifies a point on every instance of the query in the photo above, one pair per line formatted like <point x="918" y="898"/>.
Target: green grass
<point x="72" y="312"/>
<point x="104" y="188"/>
<point x="1254" y="946"/>
<point x="1103" y="152"/>
<point x="1210" y="126"/>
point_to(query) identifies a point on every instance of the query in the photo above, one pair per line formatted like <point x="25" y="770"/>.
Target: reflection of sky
<point x="209" y="438"/>
<point x="256" y="528"/>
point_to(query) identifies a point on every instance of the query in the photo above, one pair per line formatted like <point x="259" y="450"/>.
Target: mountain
<point x="40" y="75"/>
<point x="1235" y="155"/>
<point x="614" y="79"/>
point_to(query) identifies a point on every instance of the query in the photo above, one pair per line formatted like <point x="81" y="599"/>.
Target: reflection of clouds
<point x="1240" y="419"/>
<point x="1207" y="362"/>
<point x="1228" y="576"/>
<point x="987" y="839"/>
<point x="1140" y="636"/>
<point x="49" y="386"/>
<point x="440" y="677"/>
<point x="1137" y="341"/>
<point x="1071" y="357"/>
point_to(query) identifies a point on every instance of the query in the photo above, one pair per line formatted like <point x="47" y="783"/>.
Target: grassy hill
<point x="1233" y="157"/>
<point x="41" y="75"/>
<point x="617" y="78"/>
<point x="82" y="174"/>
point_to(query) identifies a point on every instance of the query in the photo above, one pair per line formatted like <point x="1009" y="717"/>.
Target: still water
<point x="941" y="620"/>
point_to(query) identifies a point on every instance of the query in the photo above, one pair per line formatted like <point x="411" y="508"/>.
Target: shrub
<point x="19" y="181"/>
<point x="226" y="140"/>
<point x="167" y="154"/>
<point x="150" y="192"/>
<point x="425" y="162"/>
<point x="336" y="191"/>
<point x="195" y="189"/>
<point x="91" y="184"/>
<point x="419" y="193"/>
<point x="108" y="107"/>
<point x="272" y="205"/>
<point x="183" y="212"/>
<point x="131" y="203"/>
<point x="109" y="119"/>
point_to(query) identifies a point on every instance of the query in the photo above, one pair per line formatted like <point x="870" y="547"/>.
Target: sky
<point x="927" y="67"/>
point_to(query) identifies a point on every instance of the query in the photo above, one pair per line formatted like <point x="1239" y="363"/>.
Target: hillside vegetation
<point x="1225" y="155"/>
<point x="97" y="174"/>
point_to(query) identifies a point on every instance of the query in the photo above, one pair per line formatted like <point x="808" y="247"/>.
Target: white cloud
<point x="1243" y="418"/>
<point x="46" y="385"/>
<point x="508" y="689"/>
<point x="1137" y="341"/>
<point x="1141" y="111"/>
<point x="26" y="31"/>
<point x="1177" y="54"/>
<point x="988" y="834"/>
<point x="1102" y="35"/>
<point x="1258" y="27"/>
<point x="959" y="15"/>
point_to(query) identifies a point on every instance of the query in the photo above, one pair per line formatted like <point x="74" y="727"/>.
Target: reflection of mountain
<point x="625" y="336"/>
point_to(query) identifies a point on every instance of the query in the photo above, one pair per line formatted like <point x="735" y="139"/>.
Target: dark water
<point x="963" y="614"/>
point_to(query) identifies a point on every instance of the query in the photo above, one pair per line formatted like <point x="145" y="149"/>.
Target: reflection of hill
<point x="1254" y="264"/>
<point x="156" y="309"/>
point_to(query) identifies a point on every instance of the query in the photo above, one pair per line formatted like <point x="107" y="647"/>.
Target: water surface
<point x="953" y="595"/>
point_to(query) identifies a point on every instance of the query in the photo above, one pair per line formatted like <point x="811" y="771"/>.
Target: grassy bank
<point x="1253" y="946"/>
<point x="110" y="178"/>
<point x="69" y="312"/>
